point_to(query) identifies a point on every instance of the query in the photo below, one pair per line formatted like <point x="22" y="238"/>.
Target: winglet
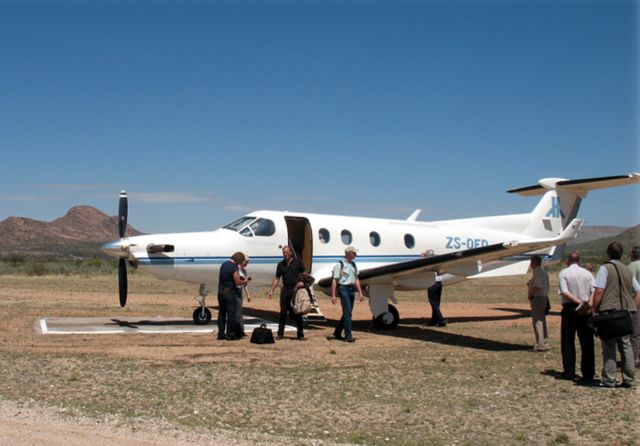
<point x="415" y="214"/>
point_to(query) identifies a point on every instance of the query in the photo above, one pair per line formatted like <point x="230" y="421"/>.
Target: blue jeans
<point x="347" y="300"/>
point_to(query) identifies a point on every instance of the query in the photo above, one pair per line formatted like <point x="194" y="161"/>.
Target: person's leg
<point x="587" y="358"/>
<point x="538" y="305"/>
<point x="346" y="300"/>
<point x="222" y="317"/>
<point x="608" y="362"/>
<point x="284" y="309"/>
<point x="635" y="337"/>
<point x="628" y="367"/>
<point x="568" y="341"/>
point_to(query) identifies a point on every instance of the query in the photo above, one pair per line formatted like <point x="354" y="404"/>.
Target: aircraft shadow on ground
<point x="411" y="328"/>
<point x="415" y="328"/>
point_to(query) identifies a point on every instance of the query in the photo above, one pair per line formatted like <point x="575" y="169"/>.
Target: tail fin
<point x="562" y="199"/>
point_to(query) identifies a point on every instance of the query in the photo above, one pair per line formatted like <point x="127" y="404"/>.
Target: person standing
<point x="634" y="266"/>
<point x="346" y="282"/>
<point x="289" y="269"/>
<point x="575" y="287"/>
<point x="616" y="289"/>
<point x="229" y="281"/>
<point x="243" y="291"/>
<point x="538" y="288"/>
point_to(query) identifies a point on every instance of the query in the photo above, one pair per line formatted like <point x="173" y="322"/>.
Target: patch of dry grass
<point x="472" y="383"/>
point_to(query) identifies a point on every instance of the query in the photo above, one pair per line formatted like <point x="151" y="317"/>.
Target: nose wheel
<point x="202" y="315"/>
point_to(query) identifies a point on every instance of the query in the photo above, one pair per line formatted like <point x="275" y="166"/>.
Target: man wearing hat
<point x="345" y="282"/>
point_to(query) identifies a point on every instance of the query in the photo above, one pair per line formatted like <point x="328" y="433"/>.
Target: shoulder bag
<point x="302" y="301"/>
<point x="616" y="323"/>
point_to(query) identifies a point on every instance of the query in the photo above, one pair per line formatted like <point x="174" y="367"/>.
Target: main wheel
<point x="202" y="317"/>
<point x="387" y="320"/>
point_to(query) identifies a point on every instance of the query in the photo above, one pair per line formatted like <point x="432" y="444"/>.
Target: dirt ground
<point x="34" y="424"/>
<point x="28" y="421"/>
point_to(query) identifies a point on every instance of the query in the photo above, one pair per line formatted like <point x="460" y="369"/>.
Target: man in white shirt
<point x="538" y="288"/>
<point x="575" y="287"/>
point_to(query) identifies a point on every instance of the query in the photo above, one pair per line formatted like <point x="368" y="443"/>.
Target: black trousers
<point x="228" y="314"/>
<point x="570" y="324"/>
<point x="286" y="295"/>
<point x="435" y="293"/>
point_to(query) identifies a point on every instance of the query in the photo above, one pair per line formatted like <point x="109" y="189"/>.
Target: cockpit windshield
<point x="239" y="223"/>
<point x="250" y="226"/>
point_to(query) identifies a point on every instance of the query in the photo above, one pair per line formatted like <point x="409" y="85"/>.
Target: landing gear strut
<point x="202" y="315"/>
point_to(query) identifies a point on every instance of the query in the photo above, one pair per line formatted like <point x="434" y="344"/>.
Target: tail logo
<point x="555" y="211"/>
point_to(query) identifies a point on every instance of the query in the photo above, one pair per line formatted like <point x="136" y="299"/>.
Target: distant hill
<point x="590" y="233"/>
<point x="78" y="234"/>
<point x="595" y="250"/>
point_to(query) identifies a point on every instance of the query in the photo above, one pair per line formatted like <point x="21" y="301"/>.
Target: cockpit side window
<point x="263" y="227"/>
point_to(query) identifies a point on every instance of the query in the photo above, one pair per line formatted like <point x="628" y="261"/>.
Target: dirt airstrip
<point x="483" y="340"/>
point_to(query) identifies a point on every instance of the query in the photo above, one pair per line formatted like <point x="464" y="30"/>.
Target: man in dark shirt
<point x="289" y="270"/>
<point x="228" y="282"/>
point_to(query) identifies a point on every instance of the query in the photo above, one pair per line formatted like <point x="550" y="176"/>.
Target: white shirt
<point x="575" y="280"/>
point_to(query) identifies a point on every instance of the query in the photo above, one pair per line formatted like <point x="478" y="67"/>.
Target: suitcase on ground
<point x="262" y="335"/>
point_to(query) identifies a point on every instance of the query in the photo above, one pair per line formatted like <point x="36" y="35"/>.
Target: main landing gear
<point x="202" y="315"/>
<point x="387" y="320"/>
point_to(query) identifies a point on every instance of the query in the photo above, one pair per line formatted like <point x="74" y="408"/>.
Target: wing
<point x="465" y="263"/>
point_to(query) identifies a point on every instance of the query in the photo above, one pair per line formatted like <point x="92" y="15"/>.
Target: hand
<point x="270" y="295"/>
<point x="334" y="299"/>
<point x="361" y="297"/>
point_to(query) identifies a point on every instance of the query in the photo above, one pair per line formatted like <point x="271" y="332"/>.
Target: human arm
<point x="359" y="288"/>
<point x="274" y="284"/>
<point x="334" y="285"/>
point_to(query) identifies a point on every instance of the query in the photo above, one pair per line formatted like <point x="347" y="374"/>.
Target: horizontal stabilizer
<point x="580" y="187"/>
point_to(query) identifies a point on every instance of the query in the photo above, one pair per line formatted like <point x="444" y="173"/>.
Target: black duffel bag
<point x="613" y="324"/>
<point x="262" y="335"/>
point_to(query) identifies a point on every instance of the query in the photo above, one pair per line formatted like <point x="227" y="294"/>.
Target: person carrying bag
<point x="613" y="301"/>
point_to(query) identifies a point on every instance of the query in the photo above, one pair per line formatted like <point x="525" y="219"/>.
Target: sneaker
<point x="280" y="337"/>
<point x="540" y="349"/>
<point x="628" y="385"/>
<point x="335" y="336"/>
<point x="350" y="339"/>
<point x="300" y="337"/>
<point x="442" y="323"/>
<point x="601" y="385"/>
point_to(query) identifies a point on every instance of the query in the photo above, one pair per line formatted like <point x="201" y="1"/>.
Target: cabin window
<point x="324" y="236"/>
<point x="246" y="232"/>
<point x="346" y="237"/>
<point x="374" y="238"/>
<point x="263" y="227"/>
<point x="409" y="241"/>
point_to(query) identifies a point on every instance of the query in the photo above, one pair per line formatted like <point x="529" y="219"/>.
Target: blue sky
<point x="205" y="110"/>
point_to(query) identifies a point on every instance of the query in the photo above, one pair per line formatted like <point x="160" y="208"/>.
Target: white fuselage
<point x="197" y="256"/>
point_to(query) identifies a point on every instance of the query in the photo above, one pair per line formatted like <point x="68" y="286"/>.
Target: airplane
<point x="394" y="255"/>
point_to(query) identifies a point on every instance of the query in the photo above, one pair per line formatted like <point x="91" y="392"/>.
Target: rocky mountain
<point x="78" y="234"/>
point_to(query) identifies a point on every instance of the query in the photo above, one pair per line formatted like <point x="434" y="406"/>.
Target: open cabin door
<point x="300" y="240"/>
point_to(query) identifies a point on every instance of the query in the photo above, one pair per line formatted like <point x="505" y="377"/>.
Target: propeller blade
<point x="122" y="281"/>
<point x="123" y="210"/>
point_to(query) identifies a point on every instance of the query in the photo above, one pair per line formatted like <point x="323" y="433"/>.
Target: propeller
<point x="122" y="263"/>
